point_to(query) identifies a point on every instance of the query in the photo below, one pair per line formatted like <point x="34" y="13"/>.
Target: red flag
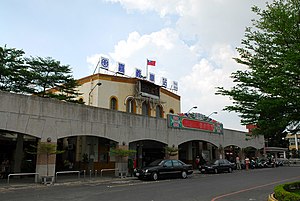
<point x="151" y="63"/>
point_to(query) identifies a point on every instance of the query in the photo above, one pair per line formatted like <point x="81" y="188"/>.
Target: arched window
<point x="113" y="103"/>
<point x="145" y="109"/>
<point x="171" y="111"/>
<point x="130" y="105"/>
<point x="159" y="111"/>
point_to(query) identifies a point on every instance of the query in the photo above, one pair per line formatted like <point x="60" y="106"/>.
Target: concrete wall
<point x="44" y="118"/>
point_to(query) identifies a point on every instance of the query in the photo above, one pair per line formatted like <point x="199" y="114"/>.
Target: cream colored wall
<point x="101" y="95"/>
<point x="170" y="103"/>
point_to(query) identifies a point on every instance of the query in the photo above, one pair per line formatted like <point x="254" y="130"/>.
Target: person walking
<point x="197" y="162"/>
<point x="247" y="162"/>
<point x="238" y="163"/>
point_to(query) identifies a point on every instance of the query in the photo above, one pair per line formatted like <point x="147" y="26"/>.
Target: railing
<point x="23" y="174"/>
<point x="67" y="172"/>
<point x="104" y="170"/>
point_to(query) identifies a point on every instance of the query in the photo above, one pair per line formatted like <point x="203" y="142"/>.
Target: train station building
<point x="118" y="112"/>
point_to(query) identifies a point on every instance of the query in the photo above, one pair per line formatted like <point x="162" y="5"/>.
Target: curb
<point x="271" y="197"/>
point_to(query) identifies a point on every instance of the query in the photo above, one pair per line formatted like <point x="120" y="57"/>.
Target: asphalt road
<point x="240" y="185"/>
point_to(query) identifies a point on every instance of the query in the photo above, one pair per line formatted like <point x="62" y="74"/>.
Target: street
<point x="239" y="185"/>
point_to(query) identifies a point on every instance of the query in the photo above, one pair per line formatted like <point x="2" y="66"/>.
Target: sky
<point x="192" y="41"/>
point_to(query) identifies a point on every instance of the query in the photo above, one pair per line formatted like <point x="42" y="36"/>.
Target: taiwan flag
<point x="151" y="62"/>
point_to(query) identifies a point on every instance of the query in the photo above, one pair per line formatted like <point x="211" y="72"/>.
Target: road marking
<point x="252" y="188"/>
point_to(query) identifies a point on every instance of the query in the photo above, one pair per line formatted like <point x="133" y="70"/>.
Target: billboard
<point x="183" y="121"/>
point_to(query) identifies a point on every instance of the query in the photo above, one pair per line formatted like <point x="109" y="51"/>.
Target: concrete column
<point x="18" y="154"/>
<point x="121" y="164"/>
<point x="46" y="158"/>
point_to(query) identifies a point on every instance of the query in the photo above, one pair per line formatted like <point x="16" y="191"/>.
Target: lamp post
<point x="212" y="114"/>
<point x="195" y="107"/>
<point x="98" y="84"/>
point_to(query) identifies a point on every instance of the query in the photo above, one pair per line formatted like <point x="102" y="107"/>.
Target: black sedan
<point x="164" y="168"/>
<point x="221" y="165"/>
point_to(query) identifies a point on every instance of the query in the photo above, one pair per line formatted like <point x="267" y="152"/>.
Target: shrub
<point x="284" y="192"/>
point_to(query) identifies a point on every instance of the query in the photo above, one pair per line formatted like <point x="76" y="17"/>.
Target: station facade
<point x="119" y="112"/>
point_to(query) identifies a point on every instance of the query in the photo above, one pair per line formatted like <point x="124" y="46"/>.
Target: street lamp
<point x="195" y="107"/>
<point x="212" y="114"/>
<point x="98" y="84"/>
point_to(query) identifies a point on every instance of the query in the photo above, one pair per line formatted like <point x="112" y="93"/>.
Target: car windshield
<point x="156" y="163"/>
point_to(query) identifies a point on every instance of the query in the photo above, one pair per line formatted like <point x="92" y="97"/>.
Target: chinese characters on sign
<point x="184" y="122"/>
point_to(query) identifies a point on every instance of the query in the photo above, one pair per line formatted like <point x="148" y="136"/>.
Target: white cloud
<point x="173" y="57"/>
<point x="196" y="50"/>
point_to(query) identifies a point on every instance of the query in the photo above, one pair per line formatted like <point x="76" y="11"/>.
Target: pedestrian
<point x="247" y="163"/>
<point x="197" y="161"/>
<point x="238" y="163"/>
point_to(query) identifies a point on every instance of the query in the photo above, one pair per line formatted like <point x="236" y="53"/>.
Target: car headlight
<point x="146" y="170"/>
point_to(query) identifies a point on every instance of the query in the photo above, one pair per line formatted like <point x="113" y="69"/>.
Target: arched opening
<point x="147" y="151"/>
<point x="113" y="103"/>
<point x="145" y="109"/>
<point x="130" y="105"/>
<point x="85" y="153"/>
<point x="17" y="152"/>
<point x="159" y="111"/>
<point x="171" y="111"/>
<point x="189" y="151"/>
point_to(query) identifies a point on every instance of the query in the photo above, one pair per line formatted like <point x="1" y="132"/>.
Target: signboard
<point x="152" y="77"/>
<point x="164" y="82"/>
<point x="121" y="68"/>
<point x="148" y="89"/>
<point x="184" y="122"/>
<point x="104" y="62"/>
<point x="138" y="73"/>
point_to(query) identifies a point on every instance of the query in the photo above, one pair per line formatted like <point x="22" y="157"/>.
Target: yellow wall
<point x="121" y="88"/>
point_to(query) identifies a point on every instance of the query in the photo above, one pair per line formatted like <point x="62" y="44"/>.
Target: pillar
<point x="121" y="164"/>
<point x="46" y="158"/>
<point x="18" y="157"/>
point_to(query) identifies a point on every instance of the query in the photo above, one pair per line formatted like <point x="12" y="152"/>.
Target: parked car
<point x="164" y="168"/>
<point x="221" y="165"/>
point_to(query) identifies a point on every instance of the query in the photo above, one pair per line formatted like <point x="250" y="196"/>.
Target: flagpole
<point x="147" y="70"/>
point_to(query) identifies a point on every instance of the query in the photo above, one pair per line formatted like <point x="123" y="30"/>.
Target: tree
<point x="267" y="94"/>
<point x="14" y="74"/>
<point x="171" y="151"/>
<point x="122" y="153"/>
<point x="46" y="149"/>
<point x="44" y="77"/>
<point x="51" y="79"/>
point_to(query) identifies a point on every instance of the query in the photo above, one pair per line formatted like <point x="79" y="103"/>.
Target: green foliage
<point x="267" y="94"/>
<point x="287" y="192"/>
<point x="14" y="74"/>
<point x="45" y="148"/>
<point x="171" y="151"/>
<point x="122" y="152"/>
<point x="44" y="77"/>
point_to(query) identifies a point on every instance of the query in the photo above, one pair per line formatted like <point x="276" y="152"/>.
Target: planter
<point x="271" y="197"/>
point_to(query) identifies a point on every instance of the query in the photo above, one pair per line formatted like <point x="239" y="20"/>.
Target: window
<point x="130" y="105"/>
<point x="113" y="103"/>
<point x="176" y="163"/>
<point x="159" y="111"/>
<point x="145" y="109"/>
<point x="168" y="164"/>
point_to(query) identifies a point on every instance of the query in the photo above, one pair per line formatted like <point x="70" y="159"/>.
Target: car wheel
<point x="216" y="171"/>
<point x="183" y="175"/>
<point x="154" y="176"/>
<point x="230" y="170"/>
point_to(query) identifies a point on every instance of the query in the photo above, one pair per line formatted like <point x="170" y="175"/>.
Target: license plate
<point x="137" y="174"/>
<point x="203" y="170"/>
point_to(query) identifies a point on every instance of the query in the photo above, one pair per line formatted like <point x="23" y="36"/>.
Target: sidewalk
<point x="29" y="182"/>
